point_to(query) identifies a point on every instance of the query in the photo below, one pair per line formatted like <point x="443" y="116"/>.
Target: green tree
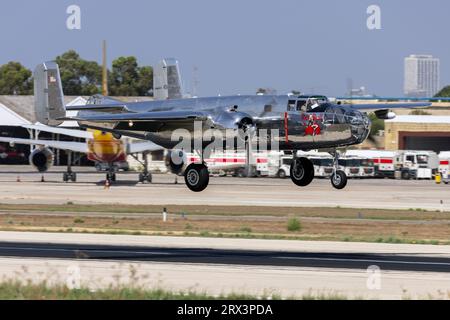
<point x="128" y="79"/>
<point x="79" y="76"/>
<point x="445" y="92"/>
<point x="377" y="125"/>
<point x="145" y="81"/>
<point x="15" y="79"/>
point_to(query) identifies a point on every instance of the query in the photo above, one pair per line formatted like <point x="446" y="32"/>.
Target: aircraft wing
<point x="66" y="132"/>
<point x="138" y="147"/>
<point x="381" y="106"/>
<point x="143" y="116"/>
<point x="64" y="145"/>
<point x="433" y="99"/>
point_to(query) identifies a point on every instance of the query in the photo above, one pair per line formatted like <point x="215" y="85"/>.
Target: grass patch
<point x="246" y="229"/>
<point x="11" y="290"/>
<point x="15" y="290"/>
<point x="187" y="210"/>
<point x="78" y="220"/>
<point x="294" y="225"/>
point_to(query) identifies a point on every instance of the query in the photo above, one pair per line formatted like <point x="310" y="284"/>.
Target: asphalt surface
<point x="20" y="185"/>
<point x="226" y="257"/>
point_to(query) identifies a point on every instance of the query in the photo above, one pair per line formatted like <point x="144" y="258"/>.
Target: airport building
<point x="421" y="76"/>
<point x="418" y="132"/>
<point x="16" y="111"/>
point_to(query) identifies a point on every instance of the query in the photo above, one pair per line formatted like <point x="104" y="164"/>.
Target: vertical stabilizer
<point x="48" y="94"/>
<point x="167" y="80"/>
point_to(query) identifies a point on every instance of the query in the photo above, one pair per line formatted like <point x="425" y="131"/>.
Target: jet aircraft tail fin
<point x="48" y="94"/>
<point x="167" y="80"/>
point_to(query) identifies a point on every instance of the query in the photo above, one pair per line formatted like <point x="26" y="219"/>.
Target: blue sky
<point x="238" y="46"/>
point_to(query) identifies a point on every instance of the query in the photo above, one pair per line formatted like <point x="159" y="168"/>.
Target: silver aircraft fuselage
<point x="300" y="127"/>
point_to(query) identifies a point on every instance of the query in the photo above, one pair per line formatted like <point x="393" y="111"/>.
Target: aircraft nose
<point x="360" y="125"/>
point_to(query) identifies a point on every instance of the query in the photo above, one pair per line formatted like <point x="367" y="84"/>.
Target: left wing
<point x="64" y="145"/>
<point x="433" y="99"/>
<point x="142" y="116"/>
<point x="380" y="106"/>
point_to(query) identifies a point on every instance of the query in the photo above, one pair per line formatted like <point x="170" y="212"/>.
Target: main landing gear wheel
<point x="145" y="177"/>
<point x="339" y="179"/>
<point x="111" y="177"/>
<point x="69" y="176"/>
<point x="302" y="172"/>
<point x="196" y="177"/>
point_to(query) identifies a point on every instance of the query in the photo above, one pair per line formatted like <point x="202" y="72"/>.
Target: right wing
<point x="64" y="145"/>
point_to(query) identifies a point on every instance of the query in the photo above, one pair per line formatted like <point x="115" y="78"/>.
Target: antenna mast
<point x="104" y="72"/>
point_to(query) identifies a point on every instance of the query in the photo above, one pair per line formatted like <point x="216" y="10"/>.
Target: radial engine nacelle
<point x="176" y="161"/>
<point x="385" y="114"/>
<point x="42" y="159"/>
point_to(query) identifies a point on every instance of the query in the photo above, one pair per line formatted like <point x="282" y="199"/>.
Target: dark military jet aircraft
<point x="292" y="123"/>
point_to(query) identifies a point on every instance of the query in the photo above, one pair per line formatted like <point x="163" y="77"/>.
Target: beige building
<point x="418" y="132"/>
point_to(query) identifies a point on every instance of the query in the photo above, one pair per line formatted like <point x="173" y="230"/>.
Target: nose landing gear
<point x="338" y="178"/>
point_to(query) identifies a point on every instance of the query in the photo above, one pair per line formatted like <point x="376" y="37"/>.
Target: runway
<point x="219" y="266"/>
<point x="383" y="194"/>
<point x="226" y="257"/>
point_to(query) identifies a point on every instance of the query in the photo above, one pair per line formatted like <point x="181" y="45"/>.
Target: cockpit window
<point x="291" y="105"/>
<point x="301" y="105"/>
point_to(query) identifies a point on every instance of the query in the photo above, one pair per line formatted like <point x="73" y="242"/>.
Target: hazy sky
<point x="238" y="46"/>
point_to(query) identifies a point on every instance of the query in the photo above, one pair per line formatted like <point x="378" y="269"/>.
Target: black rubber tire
<point x="302" y="172"/>
<point x="149" y="178"/>
<point x="339" y="180"/>
<point x="65" y="177"/>
<point x="406" y="175"/>
<point x="73" y="177"/>
<point x="141" y="178"/>
<point x="281" y="174"/>
<point x="196" y="177"/>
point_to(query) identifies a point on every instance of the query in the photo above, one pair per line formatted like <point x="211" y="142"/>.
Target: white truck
<point x="417" y="164"/>
<point x="322" y="161"/>
<point x="277" y="164"/>
<point x="383" y="161"/>
<point x="444" y="166"/>
<point x="357" y="167"/>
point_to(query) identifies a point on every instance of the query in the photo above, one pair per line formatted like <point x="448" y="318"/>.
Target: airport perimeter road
<point x="385" y="194"/>
<point x="216" y="266"/>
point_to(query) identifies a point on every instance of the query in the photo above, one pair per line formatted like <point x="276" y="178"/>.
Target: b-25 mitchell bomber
<point x="290" y="123"/>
